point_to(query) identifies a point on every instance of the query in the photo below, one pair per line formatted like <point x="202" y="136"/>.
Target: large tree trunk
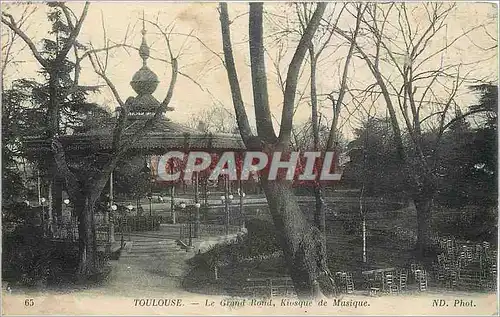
<point x="87" y="243"/>
<point x="303" y="246"/>
<point x="319" y="212"/>
<point x="53" y="106"/>
<point x="314" y="100"/>
<point x="89" y="262"/>
<point x="423" y="204"/>
<point x="57" y="199"/>
<point x="424" y="192"/>
<point x="304" y="249"/>
<point x="84" y="198"/>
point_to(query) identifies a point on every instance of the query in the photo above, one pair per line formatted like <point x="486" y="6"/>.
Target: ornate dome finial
<point x="145" y="80"/>
<point x="143" y="32"/>
<point x="144" y="48"/>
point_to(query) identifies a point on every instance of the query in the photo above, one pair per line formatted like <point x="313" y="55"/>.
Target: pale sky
<point x="202" y="65"/>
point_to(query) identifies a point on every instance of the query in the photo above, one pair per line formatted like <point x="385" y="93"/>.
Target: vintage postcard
<point x="246" y="158"/>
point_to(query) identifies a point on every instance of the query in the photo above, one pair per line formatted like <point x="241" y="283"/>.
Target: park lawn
<point x="344" y="254"/>
<point x="391" y="237"/>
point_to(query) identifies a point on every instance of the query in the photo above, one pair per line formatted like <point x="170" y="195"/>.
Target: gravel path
<point x="158" y="274"/>
<point x="148" y="275"/>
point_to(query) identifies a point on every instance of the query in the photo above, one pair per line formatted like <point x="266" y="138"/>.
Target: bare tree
<point x="216" y="119"/>
<point x="316" y="48"/>
<point x="10" y="38"/>
<point x="52" y="65"/>
<point x="85" y="192"/>
<point x="416" y="85"/>
<point x="302" y="132"/>
<point x="303" y="245"/>
<point x="49" y="64"/>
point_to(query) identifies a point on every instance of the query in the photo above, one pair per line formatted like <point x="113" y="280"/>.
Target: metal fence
<point x="269" y="287"/>
<point x="137" y="223"/>
<point x="68" y="231"/>
<point x="205" y="230"/>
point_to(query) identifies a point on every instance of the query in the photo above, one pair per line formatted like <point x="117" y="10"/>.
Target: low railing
<point x="137" y="223"/>
<point x="65" y="231"/>
<point x="205" y="230"/>
<point x="68" y="231"/>
<point x="270" y="287"/>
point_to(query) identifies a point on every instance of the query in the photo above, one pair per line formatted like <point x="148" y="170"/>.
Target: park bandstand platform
<point x="57" y="219"/>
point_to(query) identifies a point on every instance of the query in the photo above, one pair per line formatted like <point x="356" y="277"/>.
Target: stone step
<point x="171" y="253"/>
<point x="129" y="256"/>
<point x="156" y="245"/>
<point x="155" y="242"/>
<point x="151" y="240"/>
<point x="146" y="255"/>
<point x="144" y="251"/>
<point x="151" y="250"/>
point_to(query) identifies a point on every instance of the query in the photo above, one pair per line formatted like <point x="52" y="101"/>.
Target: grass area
<point x="231" y="278"/>
<point x="391" y="236"/>
<point x="344" y="252"/>
<point x="236" y="261"/>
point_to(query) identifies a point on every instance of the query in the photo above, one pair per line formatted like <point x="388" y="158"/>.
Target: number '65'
<point x="29" y="302"/>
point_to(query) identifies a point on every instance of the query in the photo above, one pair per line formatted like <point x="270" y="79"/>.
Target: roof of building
<point x="163" y="136"/>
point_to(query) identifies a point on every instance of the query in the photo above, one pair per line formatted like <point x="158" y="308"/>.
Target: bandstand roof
<point x="164" y="136"/>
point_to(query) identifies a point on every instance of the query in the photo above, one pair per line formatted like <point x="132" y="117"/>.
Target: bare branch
<point x="67" y="14"/>
<point x="6" y="49"/>
<point x="293" y="72"/>
<point x="101" y="72"/>
<point x="241" y="115"/>
<point x="265" y="128"/>
<point x="74" y="33"/>
<point x="333" y="129"/>
<point x="11" y="23"/>
<point x="373" y="66"/>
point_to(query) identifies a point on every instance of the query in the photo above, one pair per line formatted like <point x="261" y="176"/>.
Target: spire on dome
<point x="144" y="48"/>
<point x="145" y="80"/>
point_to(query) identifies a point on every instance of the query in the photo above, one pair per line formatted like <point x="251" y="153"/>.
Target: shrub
<point x="30" y="259"/>
<point x="475" y="223"/>
<point x="260" y="240"/>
